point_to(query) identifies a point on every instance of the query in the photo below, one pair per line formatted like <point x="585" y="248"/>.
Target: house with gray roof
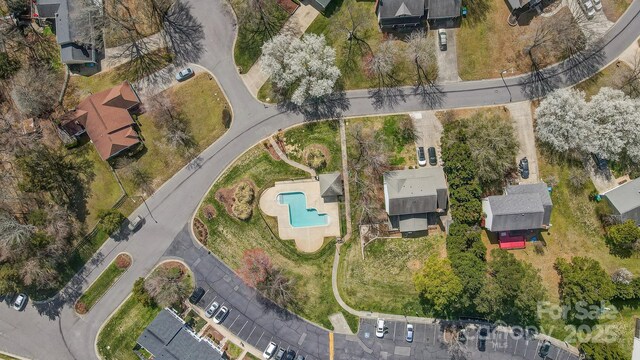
<point x="331" y="186"/>
<point x="168" y="337"/>
<point x="70" y="19"/>
<point x="624" y="201"/>
<point x="414" y="199"/>
<point x="521" y="209"/>
<point x="407" y="15"/>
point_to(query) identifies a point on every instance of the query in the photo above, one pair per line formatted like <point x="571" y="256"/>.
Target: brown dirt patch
<point x="80" y="307"/>
<point x="288" y="6"/>
<point x="173" y="265"/>
<point x="212" y="334"/>
<point x="201" y="231"/>
<point x="414" y="265"/>
<point x="322" y="148"/>
<point x="271" y="150"/>
<point x="123" y="261"/>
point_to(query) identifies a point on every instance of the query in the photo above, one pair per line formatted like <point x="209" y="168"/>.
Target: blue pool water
<point x="299" y="215"/>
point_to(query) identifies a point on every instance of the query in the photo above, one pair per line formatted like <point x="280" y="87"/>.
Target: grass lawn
<point x="202" y="102"/>
<point x="575" y="231"/>
<point x="118" y="337"/>
<point x="611" y="76"/>
<point x="323" y="133"/>
<point x="101" y="285"/>
<point x="486" y="46"/>
<point x="353" y="74"/>
<point x="104" y="188"/>
<point x="386" y="130"/>
<point x="613" y="9"/>
<point x="248" y="47"/>
<point x="230" y="237"/>
<point x="383" y="282"/>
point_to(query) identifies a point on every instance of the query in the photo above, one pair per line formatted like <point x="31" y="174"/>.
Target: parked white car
<point x="588" y="8"/>
<point x="380" y="328"/>
<point x="19" y="302"/>
<point x="212" y="309"/>
<point x="597" y="4"/>
<point x="270" y="350"/>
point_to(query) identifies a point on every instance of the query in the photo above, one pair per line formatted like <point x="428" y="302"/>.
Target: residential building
<point x="320" y="5"/>
<point x="72" y="22"/>
<point x="520" y="6"/>
<point x="415" y="199"/>
<point x="168" y="337"/>
<point x="624" y="201"/>
<point x="331" y="186"/>
<point x="519" y="214"/>
<point x="106" y="118"/>
<point x="407" y="15"/>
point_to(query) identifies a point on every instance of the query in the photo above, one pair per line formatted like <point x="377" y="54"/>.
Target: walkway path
<point x="120" y="54"/>
<point x="345" y="180"/>
<point x="297" y="24"/>
<point x="286" y="159"/>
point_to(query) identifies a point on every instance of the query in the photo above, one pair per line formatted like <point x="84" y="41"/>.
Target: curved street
<point x="52" y="330"/>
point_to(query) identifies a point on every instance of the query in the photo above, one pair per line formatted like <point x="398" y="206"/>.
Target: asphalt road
<point x="51" y="330"/>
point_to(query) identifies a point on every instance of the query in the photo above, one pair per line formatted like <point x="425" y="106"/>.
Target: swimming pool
<point x="299" y="214"/>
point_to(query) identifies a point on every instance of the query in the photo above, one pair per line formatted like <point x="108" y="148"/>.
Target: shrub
<point x="209" y="212"/>
<point x="226" y="118"/>
<point x="316" y="159"/>
<point x="242" y="211"/>
<point x="110" y="220"/>
<point x="244" y="193"/>
<point x="578" y="178"/>
<point x="81" y="308"/>
<point x="123" y="261"/>
<point x="141" y="294"/>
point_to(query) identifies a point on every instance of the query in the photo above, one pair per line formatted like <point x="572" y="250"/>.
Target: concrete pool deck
<point x="308" y="239"/>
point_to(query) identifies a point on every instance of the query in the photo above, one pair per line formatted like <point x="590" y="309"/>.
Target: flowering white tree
<point x="562" y="121"/>
<point x="306" y="65"/>
<point x="615" y="123"/>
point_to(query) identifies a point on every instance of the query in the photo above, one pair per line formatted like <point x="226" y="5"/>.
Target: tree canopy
<point x="438" y="284"/>
<point x="584" y="281"/>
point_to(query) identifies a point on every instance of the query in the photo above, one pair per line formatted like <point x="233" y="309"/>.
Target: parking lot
<point x="428" y="343"/>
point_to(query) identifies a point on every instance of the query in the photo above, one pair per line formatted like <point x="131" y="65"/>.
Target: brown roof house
<point x="106" y="118"/>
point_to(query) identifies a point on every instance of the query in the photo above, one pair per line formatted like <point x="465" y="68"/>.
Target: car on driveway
<point x="212" y="309"/>
<point x="135" y="223"/>
<point x="597" y="4"/>
<point x="221" y="315"/>
<point x="483" y="335"/>
<point x="442" y="39"/>
<point x="19" y="302"/>
<point x="380" y="328"/>
<point x="588" y="8"/>
<point x="184" y="74"/>
<point x="270" y="350"/>
<point x="524" y="168"/>
<point x="409" y="333"/>
<point x="433" y="158"/>
<point x="196" y="295"/>
<point x="601" y="164"/>
<point x="422" y="159"/>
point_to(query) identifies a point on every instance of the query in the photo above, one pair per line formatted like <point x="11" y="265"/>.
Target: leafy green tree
<point x="54" y="172"/>
<point x="624" y="235"/>
<point x="583" y="280"/>
<point x="603" y="351"/>
<point x="110" y="220"/>
<point x="8" y="66"/>
<point x="10" y="280"/>
<point x="472" y="274"/>
<point x="141" y="294"/>
<point x="512" y="292"/>
<point x="438" y="284"/>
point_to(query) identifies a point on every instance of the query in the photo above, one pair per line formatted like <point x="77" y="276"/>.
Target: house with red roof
<point x="106" y="118"/>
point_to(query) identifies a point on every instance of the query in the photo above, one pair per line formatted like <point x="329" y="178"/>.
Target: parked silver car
<point x="184" y="74"/>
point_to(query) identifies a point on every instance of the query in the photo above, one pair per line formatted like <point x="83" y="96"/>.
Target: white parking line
<point x="515" y="348"/>
<point x="394" y="331"/>
<point x="435" y="329"/>
<point x="260" y="338"/>
<point x="234" y="321"/>
<point x="245" y="324"/>
<point x="248" y="337"/>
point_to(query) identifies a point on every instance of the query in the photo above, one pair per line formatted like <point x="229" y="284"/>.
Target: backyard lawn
<point x="486" y="45"/>
<point x="383" y="281"/>
<point x="230" y="237"/>
<point x="387" y="130"/>
<point x="320" y="134"/>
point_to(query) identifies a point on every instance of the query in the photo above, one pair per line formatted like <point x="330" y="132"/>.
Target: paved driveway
<point x="447" y="60"/>
<point x="429" y="130"/>
<point x="522" y="120"/>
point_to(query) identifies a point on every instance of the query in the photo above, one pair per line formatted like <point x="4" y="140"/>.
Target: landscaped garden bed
<point x="103" y="283"/>
<point x="323" y="137"/>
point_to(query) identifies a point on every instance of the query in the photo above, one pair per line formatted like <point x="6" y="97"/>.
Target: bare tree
<point x="166" y="286"/>
<point x="631" y="80"/>
<point x="279" y="288"/>
<point x="172" y="121"/>
<point x="382" y="64"/>
<point x="14" y="233"/>
<point x="36" y="271"/>
<point x="35" y="92"/>
<point x="420" y="50"/>
<point x="354" y="24"/>
<point x="261" y="18"/>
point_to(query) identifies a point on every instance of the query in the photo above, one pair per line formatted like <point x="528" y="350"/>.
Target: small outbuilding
<point x="331" y="186"/>
<point x="624" y="201"/>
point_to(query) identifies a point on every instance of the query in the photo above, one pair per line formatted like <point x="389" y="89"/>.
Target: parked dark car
<point x="462" y="338"/>
<point x="601" y="163"/>
<point x="544" y="349"/>
<point x="433" y="159"/>
<point x="483" y="334"/>
<point x="524" y="168"/>
<point x="300" y="357"/>
<point x="196" y="295"/>
<point x="289" y="355"/>
<point x="280" y="354"/>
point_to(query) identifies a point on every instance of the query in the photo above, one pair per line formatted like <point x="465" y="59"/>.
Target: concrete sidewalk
<point x="298" y="24"/>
